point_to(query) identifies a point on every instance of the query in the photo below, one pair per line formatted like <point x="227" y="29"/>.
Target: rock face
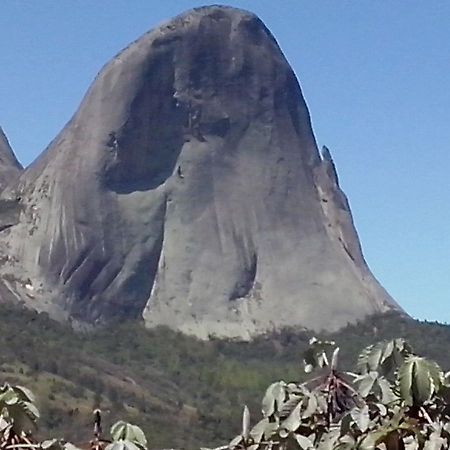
<point x="10" y="208"/>
<point x="10" y="168"/>
<point x="188" y="188"/>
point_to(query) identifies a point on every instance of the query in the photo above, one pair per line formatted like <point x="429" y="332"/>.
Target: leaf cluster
<point x="19" y="415"/>
<point x="394" y="400"/>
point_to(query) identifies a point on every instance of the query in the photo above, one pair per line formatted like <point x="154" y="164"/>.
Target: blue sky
<point x="375" y="75"/>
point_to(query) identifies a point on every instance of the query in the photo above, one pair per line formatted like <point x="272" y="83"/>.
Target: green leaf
<point x="304" y="442"/>
<point x="311" y="406"/>
<point x="334" y="359"/>
<point x="21" y="419"/>
<point x="382" y="410"/>
<point x="315" y="356"/>
<point x="24" y="393"/>
<point x="405" y="379"/>
<point x="122" y="445"/>
<point x="435" y="441"/>
<point x="257" y="432"/>
<point x="31" y="409"/>
<point x="123" y="431"/>
<point x="294" y="420"/>
<point x="16" y="409"/>
<point x="328" y="440"/>
<point x="70" y="446"/>
<point x="370" y="441"/>
<point x="289" y="405"/>
<point x="411" y="443"/>
<point x="236" y="442"/>
<point x="273" y="399"/>
<point x="346" y="423"/>
<point x="270" y="429"/>
<point x="375" y="357"/>
<point x="361" y="417"/>
<point x="418" y="380"/>
<point x="345" y="443"/>
<point x="366" y="383"/>
<point x="423" y="385"/>
<point x="52" y="444"/>
<point x="446" y="380"/>
<point x="246" y="423"/>
<point x="387" y="393"/>
<point x="383" y="357"/>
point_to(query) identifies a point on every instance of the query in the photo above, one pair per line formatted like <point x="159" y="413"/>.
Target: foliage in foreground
<point x="395" y="400"/>
<point x="19" y="416"/>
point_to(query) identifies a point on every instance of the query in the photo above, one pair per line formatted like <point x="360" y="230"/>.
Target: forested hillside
<point x="180" y="390"/>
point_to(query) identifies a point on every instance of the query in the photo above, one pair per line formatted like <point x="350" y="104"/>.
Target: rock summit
<point x="188" y="189"/>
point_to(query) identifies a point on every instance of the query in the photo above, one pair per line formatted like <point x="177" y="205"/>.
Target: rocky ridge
<point x="10" y="168"/>
<point x="188" y="189"/>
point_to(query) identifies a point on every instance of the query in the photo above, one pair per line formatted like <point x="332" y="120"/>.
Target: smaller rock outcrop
<point x="10" y="168"/>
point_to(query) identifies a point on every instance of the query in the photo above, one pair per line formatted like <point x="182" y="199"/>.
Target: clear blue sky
<point x="376" y="77"/>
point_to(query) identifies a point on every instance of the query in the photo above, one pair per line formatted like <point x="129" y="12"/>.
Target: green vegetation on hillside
<point x="181" y="391"/>
<point x="395" y="400"/>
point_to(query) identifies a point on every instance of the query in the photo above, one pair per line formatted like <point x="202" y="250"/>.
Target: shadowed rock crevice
<point x="9" y="213"/>
<point x="139" y="285"/>
<point x="143" y="153"/>
<point x="245" y="285"/>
